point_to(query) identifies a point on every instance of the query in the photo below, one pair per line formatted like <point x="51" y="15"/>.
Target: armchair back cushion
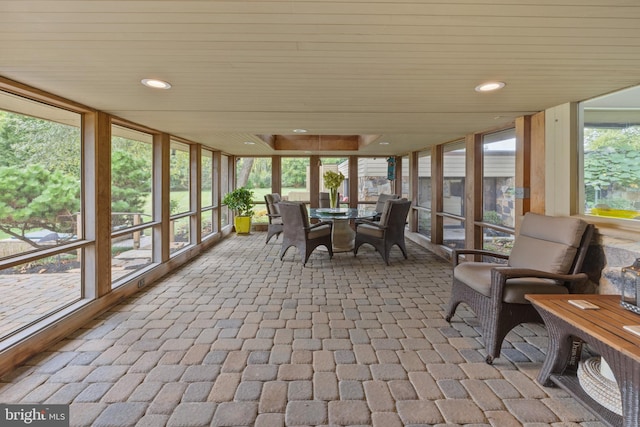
<point x="547" y="243"/>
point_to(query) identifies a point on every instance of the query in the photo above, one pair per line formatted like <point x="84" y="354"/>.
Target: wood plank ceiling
<point x="402" y="72"/>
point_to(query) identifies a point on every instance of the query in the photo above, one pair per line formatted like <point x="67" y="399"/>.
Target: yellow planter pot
<point x="242" y="224"/>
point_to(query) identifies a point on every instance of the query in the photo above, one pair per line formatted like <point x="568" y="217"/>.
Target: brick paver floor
<point x="239" y="338"/>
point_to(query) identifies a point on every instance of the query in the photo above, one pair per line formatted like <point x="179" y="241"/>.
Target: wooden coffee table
<point x="603" y="330"/>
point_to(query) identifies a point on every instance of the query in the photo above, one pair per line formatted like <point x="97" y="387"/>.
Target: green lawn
<point x="182" y="200"/>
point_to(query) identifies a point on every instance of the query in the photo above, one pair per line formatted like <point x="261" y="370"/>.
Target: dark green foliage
<point x="35" y="198"/>
<point x="611" y="163"/>
<point x="240" y="201"/>
<point x="294" y="172"/>
<point x="41" y="172"/>
<point x="131" y="182"/>
<point x="27" y="140"/>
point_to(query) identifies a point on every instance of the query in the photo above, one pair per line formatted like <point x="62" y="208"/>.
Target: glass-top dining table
<point x="343" y="236"/>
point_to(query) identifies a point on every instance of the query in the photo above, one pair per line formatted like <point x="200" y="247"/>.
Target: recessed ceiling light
<point x="249" y="143"/>
<point x="300" y="131"/>
<point x="156" y="84"/>
<point x="384" y="143"/>
<point x="490" y="86"/>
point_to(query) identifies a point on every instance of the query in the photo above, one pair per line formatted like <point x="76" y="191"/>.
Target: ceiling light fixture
<point x="384" y="143"/>
<point x="156" y="84"/>
<point x="490" y="86"/>
<point x="249" y="143"/>
<point x="300" y="131"/>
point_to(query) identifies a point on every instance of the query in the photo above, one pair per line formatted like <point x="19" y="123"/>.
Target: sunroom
<point x="112" y="191"/>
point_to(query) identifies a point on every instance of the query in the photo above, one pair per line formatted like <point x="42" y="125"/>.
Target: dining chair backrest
<point x="382" y="198"/>
<point x="272" y="201"/>
<point x="324" y="201"/>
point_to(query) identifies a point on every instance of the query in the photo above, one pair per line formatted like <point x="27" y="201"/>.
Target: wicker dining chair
<point x="382" y="198"/>
<point x="387" y="232"/>
<point x="296" y="231"/>
<point x="546" y="258"/>
<point x="273" y="213"/>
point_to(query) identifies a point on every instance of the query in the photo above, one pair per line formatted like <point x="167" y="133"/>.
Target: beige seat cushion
<point x="320" y="231"/>
<point x="370" y="230"/>
<point x="477" y="275"/>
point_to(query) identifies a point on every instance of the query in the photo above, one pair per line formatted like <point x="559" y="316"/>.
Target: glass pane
<point x="612" y="166"/>
<point x="295" y="179"/>
<point x="424" y="179"/>
<point x="37" y="288"/>
<point x="206" y="223"/>
<point x="224" y="188"/>
<point x="131" y="253"/>
<point x="341" y="165"/>
<point x="255" y="174"/>
<point x="499" y="170"/>
<point x="497" y="241"/>
<point x="131" y="177"/>
<point x="424" y="223"/>
<point x="453" y="233"/>
<point x="179" y="172"/>
<point x="406" y="178"/>
<point x="207" y="179"/>
<point x="179" y="233"/>
<point x="372" y="179"/>
<point x="453" y="184"/>
<point x="40" y="176"/>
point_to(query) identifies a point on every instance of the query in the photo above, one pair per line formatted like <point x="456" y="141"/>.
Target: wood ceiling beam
<point x="317" y="142"/>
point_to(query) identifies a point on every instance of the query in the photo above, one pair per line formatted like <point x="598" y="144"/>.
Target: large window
<point x="336" y="164"/>
<point x="373" y="179"/>
<point x="254" y="173"/>
<point x="453" y="195"/>
<point x="131" y="202"/>
<point x="180" y="196"/>
<point x="295" y="179"/>
<point x="224" y="189"/>
<point x="424" y="193"/>
<point x="611" y="156"/>
<point x="206" y="199"/>
<point x="406" y="178"/>
<point x="498" y="189"/>
<point x="41" y="248"/>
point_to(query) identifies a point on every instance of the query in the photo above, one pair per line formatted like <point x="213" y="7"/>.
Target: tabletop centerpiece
<point x="333" y="180"/>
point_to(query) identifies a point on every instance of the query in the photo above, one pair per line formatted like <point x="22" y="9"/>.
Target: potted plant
<point x="333" y="180"/>
<point x="240" y="201"/>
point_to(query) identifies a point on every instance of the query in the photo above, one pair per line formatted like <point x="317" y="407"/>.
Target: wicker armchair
<point x="273" y="213"/>
<point x="382" y="198"/>
<point x="386" y="233"/>
<point x="546" y="258"/>
<point x="297" y="231"/>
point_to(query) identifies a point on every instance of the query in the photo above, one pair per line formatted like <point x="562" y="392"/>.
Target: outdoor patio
<point x="239" y="338"/>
